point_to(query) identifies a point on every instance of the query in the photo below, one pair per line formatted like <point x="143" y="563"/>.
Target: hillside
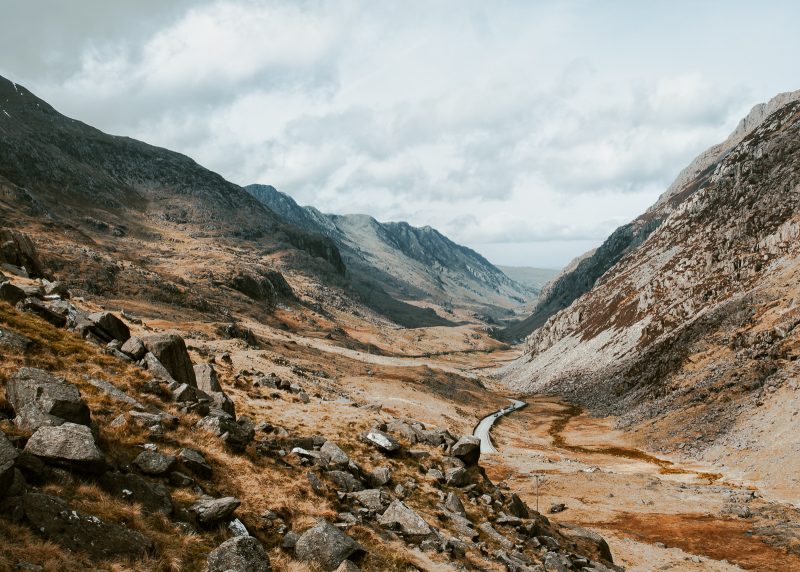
<point x="418" y="264"/>
<point x="690" y="336"/>
<point x="570" y="285"/>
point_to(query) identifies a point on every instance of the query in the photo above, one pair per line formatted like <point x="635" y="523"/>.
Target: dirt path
<point x="656" y="513"/>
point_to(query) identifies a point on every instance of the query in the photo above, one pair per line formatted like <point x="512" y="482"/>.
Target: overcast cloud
<point x="525" y="130"/>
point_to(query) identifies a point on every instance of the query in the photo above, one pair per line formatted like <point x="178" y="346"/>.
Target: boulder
<point x="382" y="441"/>
<point x="454" y="504"/>
<point x="108" y="327"/>
<point x="490" y="531"/>
<point x="14" y="342"/>
<point x="345" y="481"/>
<point x="54" y="520"/>
<point x="195" y="462"/>
<point x="403" y="519"/>
<point x="234" y="435"/>
<point x="326" y="546"/>
<point x="210" y="511"/>
<point x="380" y="476"/>
<point x="133" y="348"/>
<point x="517" y="507"/>
<point x="37" y="308"/>
<point x="11" y="294"/>
<point x="55" y="288"/>
<point x="50" y="400"/>
<point x="468" y="449"/>
<point x="152" y="495"/>
<point x="456" y="477"/>
<point x="68" y="445"/>
<point x="8" y="454"/>
<point x="116" y="393"/>
<point x="220" y="400"/>
<point x="157" y="369"/>
<point x="170" y="350"/>
<point x="17" y="249"/>
<point x="206" y="377"/>
<point x="154" y="463"/>
<point x="333" y="455"/>
<point x="589" y="541"/>
<point x="347" y="566"/>
<point x="239" y="554"/>
<point x="373" y="500"/>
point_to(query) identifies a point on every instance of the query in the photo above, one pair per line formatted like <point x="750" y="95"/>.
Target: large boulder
<point x="588" y="541"/>
<point x="17" y="249"/>
<point x="8" y="454"/>
<point x="154" y="496"/>
<point x="69" y="445"/>
<point x="14" y="342"/>
<point x="195" y="462"/>
<point x="239" y="554"/>
<point x="54" y="520"/>
<point x="334" y="455"/>
<point x="384" y="442"/>
<point x="206" y="377"/>
<point x="108" y="327"/>
<point x="326" y="546"/>
<point x="170" y="349"/>
<point x="403" y="519"/>
<point x="40" y="398"/>
<point x="11" y="294"/>
<point x="468" y="449"/>
<point x="154" y="463"/>
<point x="209" y="511"/>
<point x="235" y="435"/>
<point x="133" y="348"/>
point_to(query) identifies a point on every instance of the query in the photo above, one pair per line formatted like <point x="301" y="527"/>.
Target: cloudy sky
<point x="526" y="130"/>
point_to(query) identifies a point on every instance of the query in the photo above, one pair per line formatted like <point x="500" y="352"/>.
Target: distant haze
<point x="525" y="130"/>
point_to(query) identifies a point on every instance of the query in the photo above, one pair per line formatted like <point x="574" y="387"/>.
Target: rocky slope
<point x="410" y="263"/>
<point x="694" y="329"/>
<point x="533" y="278"/>
<point x="572" y="284"/>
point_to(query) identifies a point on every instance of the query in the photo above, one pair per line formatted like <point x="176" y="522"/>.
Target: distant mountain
<point x="533" y="278"/>
<point x="410" y="263"/>
<point x="571" y="285"/>
<point x="688" y="326"/>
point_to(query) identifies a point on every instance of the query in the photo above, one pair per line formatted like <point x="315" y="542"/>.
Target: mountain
<point x="418" y="264"/>
<point x="533" y="278"/>
<point x="691" y="332"/>
<point x="571" y="285"/>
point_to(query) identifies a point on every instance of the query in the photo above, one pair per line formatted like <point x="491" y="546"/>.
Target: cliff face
<point x="407" y="262"/>
<point x="697" y="325"/>
<point x="570" y="285"/>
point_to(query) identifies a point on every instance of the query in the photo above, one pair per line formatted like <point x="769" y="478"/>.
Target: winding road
<point x="485" y="425"/>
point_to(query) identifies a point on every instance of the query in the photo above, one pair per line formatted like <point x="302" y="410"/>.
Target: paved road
<point x="482" y="429"/>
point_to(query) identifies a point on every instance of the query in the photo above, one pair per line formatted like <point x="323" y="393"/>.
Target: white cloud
<point x="500" y="124"/>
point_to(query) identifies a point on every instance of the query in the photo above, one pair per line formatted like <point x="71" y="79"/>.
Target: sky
<point x="526" y="130"/>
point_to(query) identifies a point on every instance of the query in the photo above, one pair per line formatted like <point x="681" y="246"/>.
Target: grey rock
<point x="334" y="456"/>
<point x="457" y="477"/>
<point x="347" y="566"/>
<point x="110" y="327"/>
<point x="17" y="249"/>
<point x="55" y="288"/>
<point x="289" y="541"/>
<point x="436" y="475"/>
<point x="195" y="462"/>
<point x="38" y="308"/>
<point x="210" y="511"/>
<point x="40" y="398"/>
<point x="69" y="445"/>
<point x="152" y="495"/>
<point x="134" y="348"/>
<point x="154" y="463"/>
<point x="403" y="519"/>
<point x="554" y="562"/>
<point x="178" y="479"/>
<point x="490" y="531"/>
<point x="454" y="504"/>
<point x="517" y="507"/>
<point x="326" y="545"/>
<point x="14" y="342"/>
<point x="373" y="500"/>
<point x="170" y="350"/>
<point x="157" y="369"/>
<point x="238" y="554"/>
<point x="11" y="293"/>
<point x="54" y="520"/>
<point x="221" y="400"/>
<point x="468" y="449"/>
<point x="382" y="441"/>
<point x="115" y="392"/>
<point x="206" y="377"/>
<point x="234" y="435"/>
<point x="380" y="476"/>
<point x="345" y="481"/>
<point x="8" y="455"/>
